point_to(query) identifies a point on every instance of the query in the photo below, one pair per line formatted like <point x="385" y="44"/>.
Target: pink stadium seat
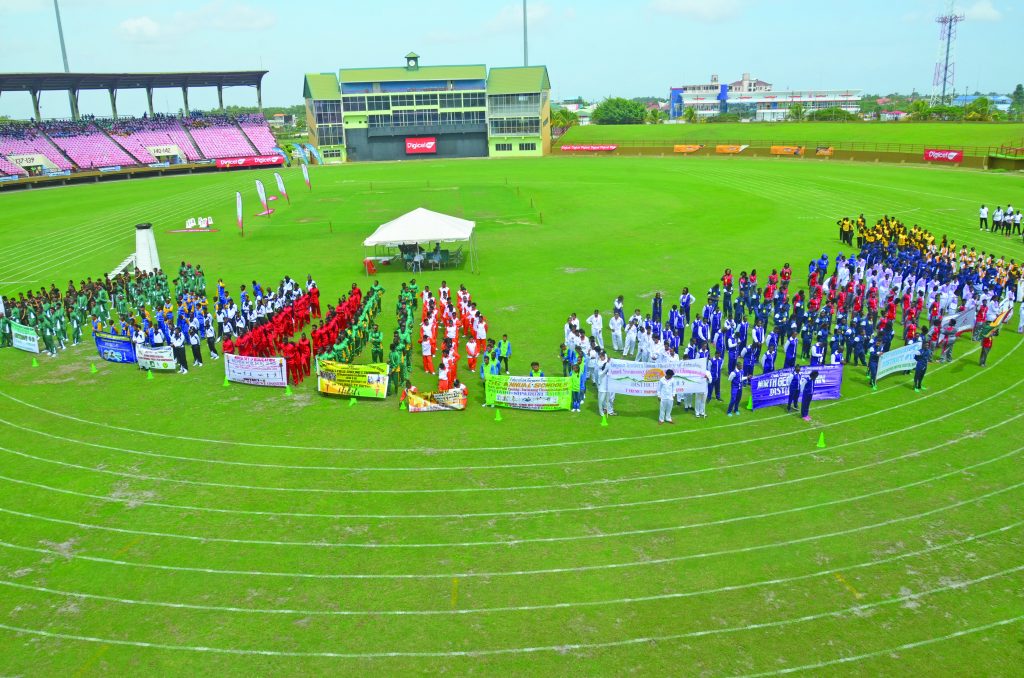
<point x="255" y="127"/>
<point x="24" y="139"/>
<point x="86" y="144"/>
<point x="136" y="134"/>
<point x="218" y="137"/>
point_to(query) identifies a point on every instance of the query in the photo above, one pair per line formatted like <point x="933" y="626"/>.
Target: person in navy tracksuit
<point x="806" y="394"/>
<point x="794" y="390"/>
<point x="736" y="380"/>
<point x="715" y="385"/>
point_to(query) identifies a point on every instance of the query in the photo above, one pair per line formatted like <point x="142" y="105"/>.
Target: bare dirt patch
<point x="570" y="270"/>
<point x="66" y="548"/>
<point x="129" y="497"/>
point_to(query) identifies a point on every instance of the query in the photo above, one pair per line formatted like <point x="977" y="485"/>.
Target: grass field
<point x="176" y="527"/>
<point x="953" y="135"/>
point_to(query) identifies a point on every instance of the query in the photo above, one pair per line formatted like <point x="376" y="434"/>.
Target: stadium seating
<point x="92" y="143"/>
<point x="255" y="127"/>
<point x="218" y="137"/>
<point x="17" y="139"/>
<point x="136" y="134"/>
<point x="86" y="144"/>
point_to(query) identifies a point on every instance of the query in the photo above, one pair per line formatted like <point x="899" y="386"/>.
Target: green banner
<point x="529" y="393"/>
<point x="360" y="381"/>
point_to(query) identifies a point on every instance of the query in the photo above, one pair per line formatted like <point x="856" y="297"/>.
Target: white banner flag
<point x="158" y="358"/>
<point x="280" y="187"/>
<point x="238" y="210"/>
<point x="964" y="322"/>
<point x="305" y="176"/>
<point x="24" y="337"/>
<point x="255" y="371"/>
<point x="263" y="196"/>
<point x="641" y="379"/>
<point x="898" y="360"/>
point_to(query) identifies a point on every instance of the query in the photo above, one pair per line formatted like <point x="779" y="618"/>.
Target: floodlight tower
<point x="944" y="66"/>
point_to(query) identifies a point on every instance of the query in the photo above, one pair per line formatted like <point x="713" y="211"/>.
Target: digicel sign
<point x="420" y="145"/>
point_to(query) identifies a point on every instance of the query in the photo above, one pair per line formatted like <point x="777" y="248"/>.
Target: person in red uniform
<point x="291" y="362"/>
<point x="228" y="346"/>
<point x="305" y="352"/>
<point x="314" y="301"/>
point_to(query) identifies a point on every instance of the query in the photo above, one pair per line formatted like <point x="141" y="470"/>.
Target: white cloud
<point x="216" y="16"/>
<point x="983" y="10"/>
<point x="698" y="10"/>
<point x="139" y="29"/>
<point x="510" y="17"/>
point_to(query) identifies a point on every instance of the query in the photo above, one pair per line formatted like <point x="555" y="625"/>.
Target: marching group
<point x="901" y="282"/>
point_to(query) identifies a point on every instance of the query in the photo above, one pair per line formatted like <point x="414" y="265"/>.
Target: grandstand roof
<point x="27" y="82"/>
<point x="401" y="73"/>
<point x="321" y="86"/>
<point x="518" y="80"/>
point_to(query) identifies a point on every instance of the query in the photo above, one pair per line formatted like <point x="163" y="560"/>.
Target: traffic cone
<point x="287" y="389"/>
<point x="149" y="375"/>
<point x="352" y="402"/>
<point x="402" y="405"/>
<point x="604" y="420"/>
<point x="750" y="403"/>
<point x="35" y="363"/>
<point x="226" y="382"/>
<point x="821" y="440"/>
<point x="497" y="415"/>
<point x="92" y="369"/>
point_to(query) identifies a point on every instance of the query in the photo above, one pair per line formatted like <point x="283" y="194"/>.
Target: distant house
<point x="883" y="101"/>
<point x="891" y="116"/>
<point x="999" y="103"/>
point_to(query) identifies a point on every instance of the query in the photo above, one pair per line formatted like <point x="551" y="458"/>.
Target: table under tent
<point x="422" y="240"/>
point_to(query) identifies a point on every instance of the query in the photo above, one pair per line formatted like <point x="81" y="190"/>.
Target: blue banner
<point x="280" y="152"/>
<point x="773" y="388"/>
<point x="315" y="153"/>
<point x="57" y="173"/>
<point x="114" y="348"/>
<point x="10" y="177"/>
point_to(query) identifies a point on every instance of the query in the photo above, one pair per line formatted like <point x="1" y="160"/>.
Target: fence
<point x="858" y="146"/>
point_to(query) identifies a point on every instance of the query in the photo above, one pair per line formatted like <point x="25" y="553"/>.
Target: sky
<point x="592" y="48"/>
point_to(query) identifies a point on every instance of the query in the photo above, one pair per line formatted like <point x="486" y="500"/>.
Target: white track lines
<point x="521" y="608"/>
<point x="514" y="542"/>
<point x="562" y="648"/>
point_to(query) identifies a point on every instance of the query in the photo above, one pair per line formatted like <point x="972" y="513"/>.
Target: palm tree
<point x="655" y="116"/>
<point x="690" y="114"/>
<point x="796" y="112"/>
<point x="563" y="119"/>
<point x="920" y="110"/>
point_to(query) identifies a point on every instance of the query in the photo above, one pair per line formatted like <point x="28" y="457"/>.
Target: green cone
<point x="750" y="403"/>
<point x="821" y="439"/>
<point x="497" y="415"/>
<point x="92" y="369"/>
<point x="402" y="405"/>
<point x="352" y="402"/>
<point x="226" y="382"/>
<point x="149" y="375"/>
<point x="604" y="420"/>
<point x="35" y="363"/>
<point x="287" y="389"/>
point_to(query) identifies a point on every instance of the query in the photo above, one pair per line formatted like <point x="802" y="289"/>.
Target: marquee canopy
<point x="421" y="226"/>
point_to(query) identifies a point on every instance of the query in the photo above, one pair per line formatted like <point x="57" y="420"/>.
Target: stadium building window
<point x="450" y="100"/>
<point x="528" y="147"/>
<point x="474" y="100"/>
<point x="378" y="103"/>
<point x="503" y="147"/>
<point x="517" y="126"/>
<point x="355" y="103"/>
<point x="330" y="152"/>
<point x="403" y="100"/>
<point x="426" y="100"/>
<point x="514" y="104"/>
<point x="378" y="120"/>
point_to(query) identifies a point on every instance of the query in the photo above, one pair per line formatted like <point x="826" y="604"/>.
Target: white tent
<point x="422" y="227"/>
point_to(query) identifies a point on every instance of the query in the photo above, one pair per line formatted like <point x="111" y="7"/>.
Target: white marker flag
<point x="280" y="187"/>
<point x="305" y="175"/>
<point x="263" y="197"/>
<point x="238" y="210"/>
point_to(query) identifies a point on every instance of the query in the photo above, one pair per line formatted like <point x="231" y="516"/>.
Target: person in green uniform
<point x="376" y="345"/>
<point x="6" y="332"/>
<point x="394" y="369"/>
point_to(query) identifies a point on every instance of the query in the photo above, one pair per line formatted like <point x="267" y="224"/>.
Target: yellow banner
<point x="361" y="381"/>
<point x="730" y="149"/>
<point x="823" y="152"/>
<point x="443" y="401"/>
<point x="687" y="148"/>
<point x="788" y="150"/>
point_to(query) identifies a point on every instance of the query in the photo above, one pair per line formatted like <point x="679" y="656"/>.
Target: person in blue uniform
<point x="794" y="390"/>
<point x="806" y="394"/>
<point x="715" y="385"/>
<point x="736" y="380"/>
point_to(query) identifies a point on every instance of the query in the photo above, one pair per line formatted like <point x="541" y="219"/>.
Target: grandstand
<point x="82" y="146"/>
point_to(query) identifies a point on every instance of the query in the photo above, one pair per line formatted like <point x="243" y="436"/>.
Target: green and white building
<point x="414" y="111"/>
